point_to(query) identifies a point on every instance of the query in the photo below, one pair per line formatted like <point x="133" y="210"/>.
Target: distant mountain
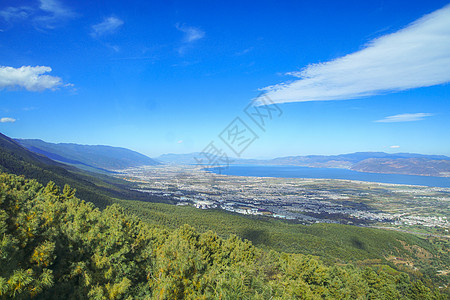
<point x="93" y="158"/>
<point x="348" y="160"/>
<point x="97" y="188"/>
<point x="373" y="162"/>
<point x="408" y="166"/>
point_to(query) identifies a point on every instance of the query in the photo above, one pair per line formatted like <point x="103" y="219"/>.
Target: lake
<point x="330" y="173"/>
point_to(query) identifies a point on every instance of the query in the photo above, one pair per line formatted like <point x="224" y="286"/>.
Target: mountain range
<point x="372" y="162"/>
<point x="107" y="159"/>
<point x="96" y="158"/>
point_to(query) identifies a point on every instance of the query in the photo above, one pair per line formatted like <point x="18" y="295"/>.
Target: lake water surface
<point x="330" y="173"/>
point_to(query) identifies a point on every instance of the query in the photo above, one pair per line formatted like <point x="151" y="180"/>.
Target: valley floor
<point x="416" y="209"/>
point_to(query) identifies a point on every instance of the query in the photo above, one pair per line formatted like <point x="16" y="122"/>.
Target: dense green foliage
<point x="420" y="256"/>
<point x="53" y="245"/>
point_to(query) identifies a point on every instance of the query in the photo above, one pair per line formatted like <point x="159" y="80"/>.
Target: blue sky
<point x="169" y="76"/>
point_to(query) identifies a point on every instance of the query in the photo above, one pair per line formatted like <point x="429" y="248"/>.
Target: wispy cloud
<point x="245" y="51"/>
<point x="394" y="147"/>
<point x="12" y="14"/>
<point x="7" y="120"/>
<point x="29" y="78"/>
<point x="191" y="34"/>
<point x="108" y="26"/>
<point x="52" y="14"/>
<point x="55" y="10"/>
<point x="416" y="56"/>
<point x="405" y="118"/>
<point x="47" y="15"/>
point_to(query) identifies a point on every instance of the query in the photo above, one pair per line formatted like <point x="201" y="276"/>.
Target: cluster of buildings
<point x="308" y="200"/>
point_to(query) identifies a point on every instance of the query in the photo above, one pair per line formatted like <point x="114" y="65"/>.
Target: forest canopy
<point x="54" y="245"/>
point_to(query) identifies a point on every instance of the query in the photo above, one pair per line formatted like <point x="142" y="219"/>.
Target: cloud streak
<point x="413" y="57"/>
<point x="191" y="34"/>
<point x="12" y="14"/>
<point x="48" y="14"/>
<point x="7" y="120"/>
<point x="54" y="8"/>
<point x="29" y="78"/>
<point x="405" y="118"/>
<point x="108" y="26"/>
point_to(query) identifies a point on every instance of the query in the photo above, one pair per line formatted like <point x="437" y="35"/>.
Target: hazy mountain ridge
<point x="409" y="166"/>
<point x="92" y="157"/>
<point x="106" y="158"/>
<point x="372" y="162"/>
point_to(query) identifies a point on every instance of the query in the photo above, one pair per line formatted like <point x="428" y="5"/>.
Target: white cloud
<point x="108" y="26"/>
<point x="11" y="14"/>
<point x="416" y="56"/>
<point x="48" y="14"/>
<point x="54" y="8"/>
<point x="191" y="34"/>
<point x="30" y="78"/>
<point x="394" y="147"/>
<point x="7" y="120"/>
<point x="405" y="118"/>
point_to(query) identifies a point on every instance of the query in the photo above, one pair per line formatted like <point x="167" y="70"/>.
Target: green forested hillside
<point x="55" y="246"/>
<point x="422" y="257"/>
